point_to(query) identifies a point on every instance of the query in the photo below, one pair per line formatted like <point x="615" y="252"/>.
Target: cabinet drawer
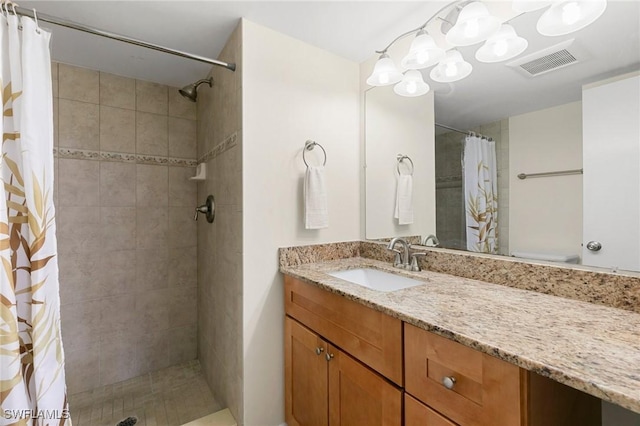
<point x="368" y="335"/>
<point x="418" y="414"/>
<point x="486" y="390"/>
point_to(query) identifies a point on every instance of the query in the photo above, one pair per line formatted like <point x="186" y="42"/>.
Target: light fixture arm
<point x="422" y="27"/>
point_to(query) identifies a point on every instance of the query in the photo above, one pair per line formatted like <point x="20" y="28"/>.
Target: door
<point x="611" y="161"/>
<point x="306" y="376"/>
<point x="358" y="396"/>
<point x="418" y="414"/>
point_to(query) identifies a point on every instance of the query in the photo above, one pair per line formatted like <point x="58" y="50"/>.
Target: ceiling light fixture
<point x="564" y="17"/>
<point x="506" y="44"/>
<point x="452" y="68"/>
<point x="423" y="52"/>
<point x="474" y="25"/>
<point x="411" y="85"/>
<point x="384" y="72"/>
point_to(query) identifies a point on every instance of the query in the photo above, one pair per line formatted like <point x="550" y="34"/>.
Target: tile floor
<point x="169" y="397"/>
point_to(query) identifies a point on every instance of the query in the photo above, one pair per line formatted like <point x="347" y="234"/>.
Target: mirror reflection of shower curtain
<point x="481" y="194"/>
<point x="32" y="377"/>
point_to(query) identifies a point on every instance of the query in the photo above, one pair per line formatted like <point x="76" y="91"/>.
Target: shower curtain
<point x="32" y="380"/>
<point x="481" y="194"/>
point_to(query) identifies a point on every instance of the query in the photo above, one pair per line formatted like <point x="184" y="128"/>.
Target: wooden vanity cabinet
<point x="470" y="388"/>
<point x="337" y="354"/>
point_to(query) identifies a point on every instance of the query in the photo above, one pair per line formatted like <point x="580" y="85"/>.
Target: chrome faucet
<point x="436" y="241"/>
<point x="402" y="257"/>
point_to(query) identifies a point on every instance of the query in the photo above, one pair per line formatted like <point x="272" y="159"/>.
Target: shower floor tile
<point x="169" y="397"/>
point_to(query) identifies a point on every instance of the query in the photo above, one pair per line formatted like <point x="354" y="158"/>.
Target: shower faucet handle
<point x="208" y="209"/>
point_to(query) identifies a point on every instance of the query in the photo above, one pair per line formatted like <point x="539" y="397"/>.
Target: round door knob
<point x="319" y="350"/>
<point x="448" y="382"/>
<point x="594" y="246"/>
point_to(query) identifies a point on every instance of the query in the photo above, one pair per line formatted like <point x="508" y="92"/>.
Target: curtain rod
<point x="463" y="132"/>
<point x="102" y="33"/>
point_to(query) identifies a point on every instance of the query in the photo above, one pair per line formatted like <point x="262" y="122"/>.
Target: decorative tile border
<point x="226" y="144"/>
<point x="83" y="154"/>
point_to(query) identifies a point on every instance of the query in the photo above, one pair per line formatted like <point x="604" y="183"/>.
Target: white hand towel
<point x="316" y="214"/>
<point x="404" y="200"/>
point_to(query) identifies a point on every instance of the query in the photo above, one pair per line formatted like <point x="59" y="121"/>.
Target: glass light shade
<point x="384" y="72"/>
<point x="474" y="25"/>
<point x="411" y="85"/>
<point x="565" y="17"/>
<point x="524" y="6"/>
<point x="452" y="68"/>
<point x="423" y="52"/>
<point x="504" y="45"/>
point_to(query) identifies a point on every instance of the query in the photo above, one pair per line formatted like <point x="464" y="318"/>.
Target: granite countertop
<point x="589" y="347"/>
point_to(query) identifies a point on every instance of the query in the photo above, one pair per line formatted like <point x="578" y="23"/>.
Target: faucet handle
<point x="397" y="260"/>
<point x="414" y="261"/>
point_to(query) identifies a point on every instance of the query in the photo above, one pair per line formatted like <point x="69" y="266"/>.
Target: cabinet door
<point x="418" y="414"/>
<point x="306" y="376"/>
<point x="358" y="396"/>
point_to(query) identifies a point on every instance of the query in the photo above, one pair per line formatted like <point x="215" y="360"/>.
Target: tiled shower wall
<point x="126" y="236"/>
<point x="450" y="219"/>
<point x="220" y="243"/>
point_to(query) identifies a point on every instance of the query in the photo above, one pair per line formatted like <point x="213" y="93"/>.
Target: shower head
<point x="191" y="91"/>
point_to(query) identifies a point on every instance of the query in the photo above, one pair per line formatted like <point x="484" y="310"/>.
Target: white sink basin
<point x="375" y="279"/>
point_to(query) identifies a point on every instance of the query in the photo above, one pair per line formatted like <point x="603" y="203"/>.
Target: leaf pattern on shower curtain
<point x="481" y="195"/>
<point x="32" y="379"/>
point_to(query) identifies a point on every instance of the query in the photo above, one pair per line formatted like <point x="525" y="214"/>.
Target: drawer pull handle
<point x="448" y="382"/>
<point x="329" y="356"/>
<point x="319" y="350"/>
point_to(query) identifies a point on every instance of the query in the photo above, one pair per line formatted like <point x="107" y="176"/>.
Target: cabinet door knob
<point x="594" y="246"/>
<point x="319" y="350"/>
<point x="448" y="382"/>
<point x="328" y="356"/>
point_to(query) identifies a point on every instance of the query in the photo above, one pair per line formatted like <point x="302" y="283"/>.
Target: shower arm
<point x="91" y="30"/>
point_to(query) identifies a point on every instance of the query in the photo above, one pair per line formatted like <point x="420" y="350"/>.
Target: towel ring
<point x="401" y="158"/>
<point x="308" y="146"/>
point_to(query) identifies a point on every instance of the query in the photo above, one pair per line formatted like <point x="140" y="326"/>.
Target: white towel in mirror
<point x="316" y="213"/>
<point x="404" y="200"/>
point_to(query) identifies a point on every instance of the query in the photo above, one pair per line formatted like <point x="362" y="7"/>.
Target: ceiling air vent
<point x="549" y="59"/>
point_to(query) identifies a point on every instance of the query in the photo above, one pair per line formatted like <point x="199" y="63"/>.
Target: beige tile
<point x="182" y="138"/>
<point x="79" y="277"/>
<point x="182" y="191"/>
<point x="80" y="323"/>
<point x="81" y="367"/>
<point x="78" y="84"/>
<point x="183" y="267"/>
<point x="118" y="315"/>
<point x="78" y="230"/>
<point x="152" y="185"/>
<point x="152" y="269"/>
<point x="184" y="348"/>
<point x="151" y="97"/>
<point x="151" y="350"/>
<point x="78" y="183"/>
<point x="54" y="79"/>
<point x="151" y="228"/>
<point x="151" y="134"/>
<point x="117" y="129"/>
<point x="118" y="271"/>
<point x="117" y="91"/>
<point x="78" y="125"/>
<point x="179" y="106"/>
<point x="183" y="308"/>
<point x="117" y="228"/>
<point x="182" y="227"/>
<point x="56" y="124"/>
<point x="117" y="184"/>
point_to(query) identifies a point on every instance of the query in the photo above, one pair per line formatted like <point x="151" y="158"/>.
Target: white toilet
<point x="549" y="257"/>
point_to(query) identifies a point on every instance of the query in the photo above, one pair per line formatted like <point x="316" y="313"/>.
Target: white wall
<point x="545" y="213"/>
<point x="292" y="92"/>
<point x="399" y="125"/>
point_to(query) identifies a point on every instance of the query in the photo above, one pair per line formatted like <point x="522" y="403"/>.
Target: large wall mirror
<point x="578" y="119"/>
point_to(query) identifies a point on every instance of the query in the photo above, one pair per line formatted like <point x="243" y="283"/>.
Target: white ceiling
<point x="352" y="29"/>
